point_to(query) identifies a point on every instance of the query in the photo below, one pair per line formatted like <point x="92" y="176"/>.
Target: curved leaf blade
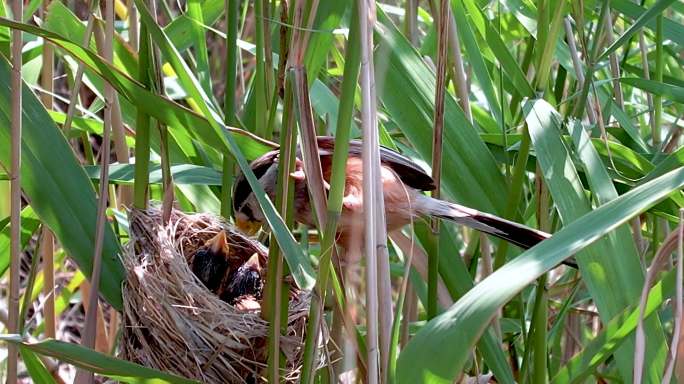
<point x="35" y="367"/>
<point x="58" y="189"/>
<point x="97" y="362"/>
<point x="440" y="350"/>
<point x="614" y="255"/>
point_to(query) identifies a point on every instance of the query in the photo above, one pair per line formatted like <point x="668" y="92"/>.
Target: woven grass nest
<point x="173" y="323"/>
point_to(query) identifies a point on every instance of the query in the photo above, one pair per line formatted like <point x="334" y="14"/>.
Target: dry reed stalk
<point x="121" y="152"/>
<point x="669" y="245"/>
<point x="577" y="64"/>
<point x="101" y="334"/>
<point x="375" y="238"/>
<point x="444" y="15"/>
<point x="460" y="77"/>
<point x="78" y="79"/>
<point x="614" y="63"/>
<point x="133" y="29"/>
<point x="48" y="238"/>
<point x="309" y="146"/>
<point x="91" y="317"/>
<point x="47" y="248"/>
<point x="15" y="194"/>
<point x="678" y="302"/>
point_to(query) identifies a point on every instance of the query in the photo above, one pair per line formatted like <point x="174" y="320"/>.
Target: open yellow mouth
<point x="250" y="228"/>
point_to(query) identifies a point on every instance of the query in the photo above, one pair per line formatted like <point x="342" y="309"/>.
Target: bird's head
<point x="246" y="209"/>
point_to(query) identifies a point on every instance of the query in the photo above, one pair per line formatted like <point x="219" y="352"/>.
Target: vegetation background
<point x="564" y="115"/>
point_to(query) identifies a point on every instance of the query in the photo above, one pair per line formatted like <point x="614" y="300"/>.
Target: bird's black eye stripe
<point x="247" y="211"/>
<point x="242" y="189"/>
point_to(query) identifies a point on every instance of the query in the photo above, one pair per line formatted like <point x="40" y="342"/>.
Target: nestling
<point x="211" y="262"/>
<point x="229" y="277"/>
<point x="246" y="280"/>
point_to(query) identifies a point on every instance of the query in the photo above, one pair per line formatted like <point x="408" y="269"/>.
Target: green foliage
<point x="59" y="190"/>
<point x="609" y="190"/>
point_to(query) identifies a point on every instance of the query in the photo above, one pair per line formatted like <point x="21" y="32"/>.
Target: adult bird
<point x="403" y="182"/>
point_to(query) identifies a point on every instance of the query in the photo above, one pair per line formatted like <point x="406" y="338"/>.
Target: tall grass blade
<point x="200" y="43"/>
<point x="230" y="102"/>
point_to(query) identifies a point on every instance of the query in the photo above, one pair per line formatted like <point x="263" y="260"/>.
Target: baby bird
<point x="245" y="281"/>
<point x="211" y="262"/>
<point x="231" y="279"/>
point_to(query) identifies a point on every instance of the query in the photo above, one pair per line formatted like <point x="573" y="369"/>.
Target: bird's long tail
<point x="518" y="234"/>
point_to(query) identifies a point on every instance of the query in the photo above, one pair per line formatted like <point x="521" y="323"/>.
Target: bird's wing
<point x="408" y="171"/>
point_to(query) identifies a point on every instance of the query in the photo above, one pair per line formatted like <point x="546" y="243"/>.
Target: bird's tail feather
<point x="518" y="234"/>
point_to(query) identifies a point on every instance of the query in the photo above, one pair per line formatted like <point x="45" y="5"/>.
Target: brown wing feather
<point x="409" y="172"/>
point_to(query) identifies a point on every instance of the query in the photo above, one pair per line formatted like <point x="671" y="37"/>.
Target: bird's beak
<point x="218" y="244"/>
<point x="248" y="227"/>
<point x="253" y="262"/>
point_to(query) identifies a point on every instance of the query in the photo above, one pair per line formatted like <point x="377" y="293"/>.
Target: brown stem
<point x="15" y="194"/>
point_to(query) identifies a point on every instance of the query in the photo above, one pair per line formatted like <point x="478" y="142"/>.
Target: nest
<point x="173" y="323"/>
